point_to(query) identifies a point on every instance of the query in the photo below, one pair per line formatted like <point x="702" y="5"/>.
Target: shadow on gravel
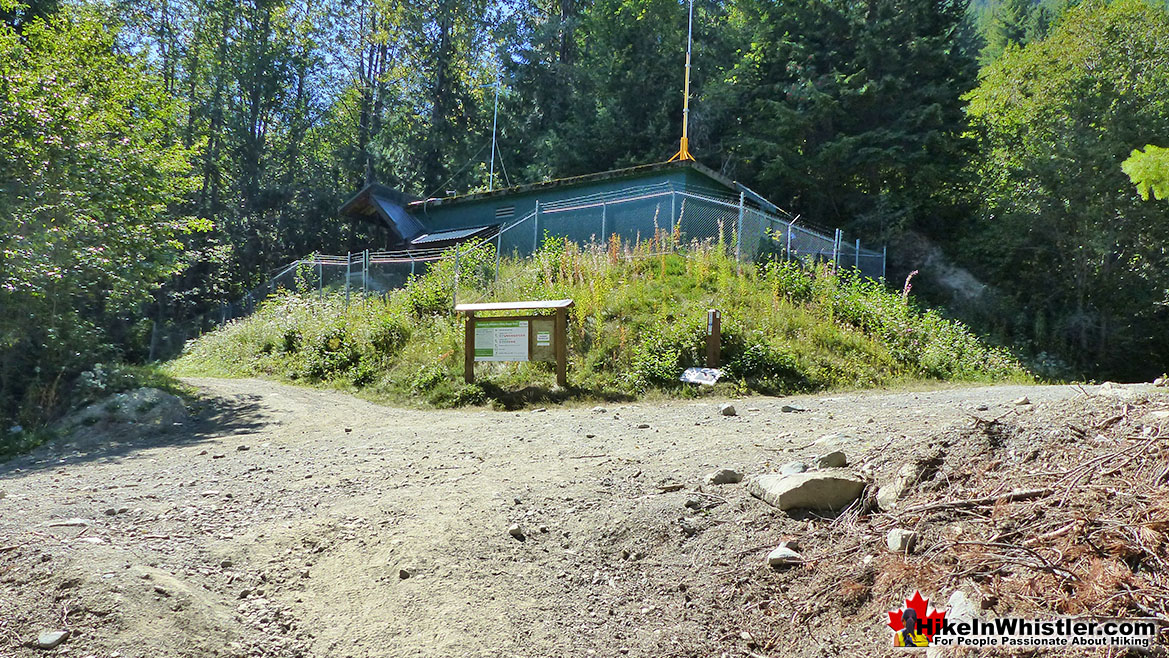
<point x="208" y="417"/>
<point x="511" y="399"/>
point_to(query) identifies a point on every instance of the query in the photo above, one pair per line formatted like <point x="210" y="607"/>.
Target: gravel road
<point x="284" y="521"/>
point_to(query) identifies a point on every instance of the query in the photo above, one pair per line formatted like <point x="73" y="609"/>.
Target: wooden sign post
<point x="531" y="337"/>
<point x="713" y="338"/>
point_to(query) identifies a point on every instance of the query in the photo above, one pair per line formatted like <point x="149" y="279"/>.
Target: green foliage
<point x="1149" y="171"/>
<point x="1062" y="230"/>
<point x="636" y="323"/>
<point x="91" y="179"/>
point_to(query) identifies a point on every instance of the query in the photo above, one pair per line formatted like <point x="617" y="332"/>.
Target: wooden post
<point x="469" y="349"/>
<point x="857" y="255"/>
<point x="713" y="338"/>
<point x="560" y="339"/>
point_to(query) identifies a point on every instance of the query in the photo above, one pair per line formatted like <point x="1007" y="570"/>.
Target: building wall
<point x="632" y="220"/>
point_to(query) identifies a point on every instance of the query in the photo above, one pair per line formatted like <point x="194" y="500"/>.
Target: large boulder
<point x="817" y="490"/>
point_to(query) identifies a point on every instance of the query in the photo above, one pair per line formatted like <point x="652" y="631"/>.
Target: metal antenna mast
<point x="684" y="149"/>
<point x="494" y="122"/>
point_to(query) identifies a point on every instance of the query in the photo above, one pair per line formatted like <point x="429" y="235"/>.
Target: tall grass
<point x="637" y="322"/>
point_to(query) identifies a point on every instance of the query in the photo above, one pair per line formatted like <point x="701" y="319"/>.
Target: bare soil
<point x="283" y="521"/>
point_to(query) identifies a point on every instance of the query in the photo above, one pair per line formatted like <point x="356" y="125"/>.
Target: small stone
<point x="540" y="410"/>
<point x="226" y="564"/>
<point x="211" y="492"/>
<point x="788" y="409"/>
<point x="1018" y="402"/>
<point x="51" y="639"/>
<point x="202" y="452"/>
<point x="783" y="556"/>
<point x="901" y="540"/>
<point x="834" y="459"/>
<point x="791" y="468"/>
<point x="403" y="574"/>
<point x="123" y="510"/>
<point x="643" y="426"/>
<point x="515" y="530"/>
<point x="724" y="476"/>
<point x="600" y="410"/>
<point x="242" y="448"/>
<point x="348" y="430"/>
<point x="692" y="503"/>
<point x="111" y="512"/>
<point x="218" y="455"/>
<point x="543" y="529"/>
<point x="1160" y="381"/>
<point x="727" y="409"/>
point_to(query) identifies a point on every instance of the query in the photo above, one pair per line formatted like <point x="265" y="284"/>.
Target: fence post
<point x="498" y="254"/>
<point x="321" y="279"/>
<point x="365" y="272"/>
<point x="857" y="264"/>
<point x="411" y="264"/>
<point x="456" y="291"/>
<point x="835" y="248"/>
<point x="787" y="252"/>
<point x="604" y="223"/>
<point x="739" y="232"/>
<point x="884" y="252"/>
<point x="536" y="229"/>
<point x="348" y="272"/>
<point x="673" y="209"/>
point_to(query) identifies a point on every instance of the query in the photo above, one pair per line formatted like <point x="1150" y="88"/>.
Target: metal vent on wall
<point x="504" y="212"/>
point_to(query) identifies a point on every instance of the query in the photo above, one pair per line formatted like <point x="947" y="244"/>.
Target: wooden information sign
<point x="531" y="337"/>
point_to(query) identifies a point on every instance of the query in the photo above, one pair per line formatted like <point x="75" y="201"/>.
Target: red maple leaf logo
<point x="931" y="619"/>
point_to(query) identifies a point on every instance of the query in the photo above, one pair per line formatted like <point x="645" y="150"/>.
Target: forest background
<point x="158" y="157"/>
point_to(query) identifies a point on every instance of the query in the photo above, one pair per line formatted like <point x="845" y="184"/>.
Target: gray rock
<point x="961" y="608"/>
<point x="51" y="639"/>
<point x="242" y="448"/>
<point x="515" y="530"/>
<point x="834" y="459"/>
<point x="901" y="540"/>
<point x="821" y="491"/>
<point x="3" y="493"/>
<point x="692" y="503"/>
<point x="788" y="409"/>
<point x="643" y="426"/>
<point x="724" y="476"/>
<point x="784" y="556"/>
<point x="112" y="511"/>
<point x="888" y="494"/>
<point x="403" y="574"/>
<point x="791" y="468"/>
<point x="727" y="409"/>
<point x="226" y="564"/>
<point x="1018" y="402"/>
<point x="1114" y="390"/>
<point x="1160" y="382"/>
<point x="599" y="410"/>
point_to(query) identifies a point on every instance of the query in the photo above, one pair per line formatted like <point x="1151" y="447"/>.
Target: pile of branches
<point x="1064" y="512"/>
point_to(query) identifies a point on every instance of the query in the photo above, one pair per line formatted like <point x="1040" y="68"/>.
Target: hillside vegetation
<point x="638" y="321"/>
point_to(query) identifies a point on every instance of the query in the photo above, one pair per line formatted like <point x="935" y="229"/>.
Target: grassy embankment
<point x="638" y="320"/>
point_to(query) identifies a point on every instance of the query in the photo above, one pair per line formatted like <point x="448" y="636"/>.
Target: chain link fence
<point x="626" y="217"/>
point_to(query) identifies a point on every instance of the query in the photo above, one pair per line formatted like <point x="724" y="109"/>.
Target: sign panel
<point x="542" y="330"/>
<point x="501" y="340"/>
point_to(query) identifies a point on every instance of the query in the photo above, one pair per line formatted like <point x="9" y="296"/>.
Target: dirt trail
<point x="283" y="521"/>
